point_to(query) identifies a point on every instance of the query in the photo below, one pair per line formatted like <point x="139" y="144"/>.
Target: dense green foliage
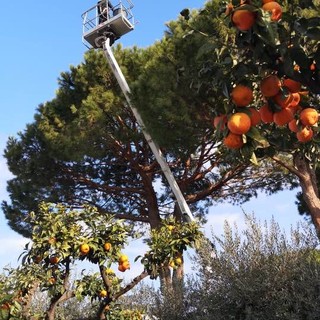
<point x="259" y="273"/>
<point x="85" y="146"/>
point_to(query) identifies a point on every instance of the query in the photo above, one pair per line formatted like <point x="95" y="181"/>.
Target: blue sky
<point x="40" y="39"/>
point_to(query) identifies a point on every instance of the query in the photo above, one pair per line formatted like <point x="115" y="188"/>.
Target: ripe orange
<point x="283" y="100"/>
<point x="266" y="114"/>
<point x="54" y="259"/>
<point x="233" y="141"/>
<point x="123" y="258"/>
<point x="305" y="134"/>
<point x="52" y="280"/>
<point x="254" y="116"/>
<point x="219" y="122"/>
<point x="274" y="8"/>
<point x="292" y="85"/>
<point x="84" y="248"/>
<point x="239" y="123"/>
<point x="284" y="116"/>
<point x="52" y="240"/>
<point x="295" y="100"/>
<point x="243" y="19"/>
<point x="126" y="265"/>
<point x="103" y="293"/>
<point x="107" y="246"/>
<point x="241" y="95"/>
<point x="37" y="259"/>
<point x="293" y="126"/>
<point x="309" y="116"/>
<point x="270" y="85"/>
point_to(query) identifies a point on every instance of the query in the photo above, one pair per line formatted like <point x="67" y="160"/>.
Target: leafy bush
<point x="259" y="273"/>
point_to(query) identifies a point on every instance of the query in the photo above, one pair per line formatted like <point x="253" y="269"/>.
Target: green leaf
<point x="255" y="134"/>
<point x="253" y="159"/>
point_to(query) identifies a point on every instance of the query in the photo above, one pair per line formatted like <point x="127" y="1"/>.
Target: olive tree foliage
<point x="85" y="146"/>
<point x="258" y="273"/>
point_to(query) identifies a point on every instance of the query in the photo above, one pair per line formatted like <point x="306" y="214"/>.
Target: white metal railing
<point x="91" y="18"/>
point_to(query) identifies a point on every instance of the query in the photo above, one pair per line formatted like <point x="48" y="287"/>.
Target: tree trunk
<point x="51" y="311"/>
<point x="310" y="191"/>
<point x="28" y="300"/>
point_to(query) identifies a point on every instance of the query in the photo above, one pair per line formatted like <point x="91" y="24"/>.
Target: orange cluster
<point x="239" y="123"/>
<point x="285" y="95"/>
<point x="244" y="19"/>
<point x="124" y="263"/>
<point x="281" y="107"/>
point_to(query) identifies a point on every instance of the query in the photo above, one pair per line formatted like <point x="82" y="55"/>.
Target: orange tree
<point x="253" y="80"/>
<point x="63" y="238"/>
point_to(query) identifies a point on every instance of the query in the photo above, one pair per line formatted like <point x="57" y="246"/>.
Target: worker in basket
<point x="105" y="10"/>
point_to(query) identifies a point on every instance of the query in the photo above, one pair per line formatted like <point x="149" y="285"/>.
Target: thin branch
<point x="288" y="167"/>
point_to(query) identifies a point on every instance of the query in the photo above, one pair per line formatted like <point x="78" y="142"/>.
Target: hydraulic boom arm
<point x="184" y="208"/>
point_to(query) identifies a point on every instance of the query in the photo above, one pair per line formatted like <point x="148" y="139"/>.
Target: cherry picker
<point x="103" y="24"/>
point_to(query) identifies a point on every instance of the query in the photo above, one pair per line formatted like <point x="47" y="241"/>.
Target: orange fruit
<point x="266" y="114"/>
<point x="283" y="100"/>
<point x="296" y="67"/>
<point x="241" y="95"/>
<point x="255" y="116"/>
<point x="305" y="134"/>
<point x="84" y="248"/>
<point x="219" y="122"/>
<point x="107" y="246"/>
<point x="123" y="258"/>
<point x="293" y="126"/>
<point x="270" y="85"/>
<point x="52" y="280"/>
<point x="295" y="100"/>
<point x="309" y="116"/>
<point x="233" y="141"/>
<point x="37" y="259"/>
<point x="103" y="293"/>
<point x="52" y="240"/>
<point x="284" y="116"/>
<point x="243" y="19"/>
<point x="239" y="123"/>
<point x="121" y="268"/>
<point x="54" y="259"/>
<point x="274" y="8"/>
<point x="292" y="85"/>
<point x="126" y="265"/>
